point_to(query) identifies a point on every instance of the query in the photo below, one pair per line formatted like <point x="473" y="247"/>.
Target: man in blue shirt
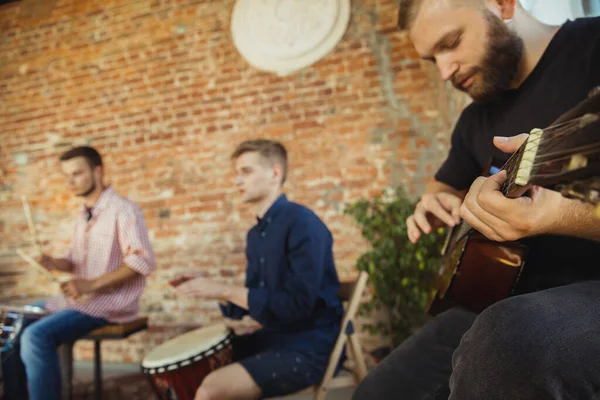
<point x="288" y="315"/>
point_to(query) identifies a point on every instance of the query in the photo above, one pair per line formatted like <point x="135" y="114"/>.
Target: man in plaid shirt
<point x="109" y="258"/>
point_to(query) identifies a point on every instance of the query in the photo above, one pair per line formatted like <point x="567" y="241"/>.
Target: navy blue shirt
<point x="292" y="281"/>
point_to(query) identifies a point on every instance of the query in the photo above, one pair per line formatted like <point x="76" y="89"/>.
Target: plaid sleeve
<point x="134" y="241"/>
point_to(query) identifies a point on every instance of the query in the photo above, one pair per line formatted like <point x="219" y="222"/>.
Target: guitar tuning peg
<point x="577" y="161"/>
<point x="587" y="119"/>
<point x="594" y="92"/>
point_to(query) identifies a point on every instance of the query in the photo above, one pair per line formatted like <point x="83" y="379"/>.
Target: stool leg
<point x="65" y="353"/>
<point x="97" y="371"/>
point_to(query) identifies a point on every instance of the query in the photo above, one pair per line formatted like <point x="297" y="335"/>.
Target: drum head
<point x="187" y="346"/>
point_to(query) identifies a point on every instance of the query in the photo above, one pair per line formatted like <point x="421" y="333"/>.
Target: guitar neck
<point x="564" y="157"/>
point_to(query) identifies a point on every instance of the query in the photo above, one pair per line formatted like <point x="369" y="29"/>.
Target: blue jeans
<point x="38" y="349"/>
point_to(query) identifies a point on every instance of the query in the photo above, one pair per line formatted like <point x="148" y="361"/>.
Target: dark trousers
<point x="537" y="346"/>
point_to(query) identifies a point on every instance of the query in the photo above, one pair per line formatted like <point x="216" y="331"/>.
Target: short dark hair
<point x="269" y="149"/>
<point x="91" y="155"/>
<point x="407" y="12"/>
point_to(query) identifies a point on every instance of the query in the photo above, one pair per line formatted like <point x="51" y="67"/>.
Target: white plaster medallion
<point x="284" y="36"/>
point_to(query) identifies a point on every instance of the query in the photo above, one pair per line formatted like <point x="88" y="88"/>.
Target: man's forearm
<point x="114" y="278"/>
<point x="435" y="186"/>
<point x="237" y="295"/>
<point x="577" y="219"/>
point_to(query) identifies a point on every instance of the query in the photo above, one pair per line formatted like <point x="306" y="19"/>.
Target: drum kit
<point x="15" y="314"/>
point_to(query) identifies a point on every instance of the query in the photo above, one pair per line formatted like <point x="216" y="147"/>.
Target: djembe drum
<point x="177" y="367"/>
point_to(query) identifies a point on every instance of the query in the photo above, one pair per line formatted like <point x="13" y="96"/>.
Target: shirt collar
<point x="276" y="206"/>
<point x="105" y="196"/>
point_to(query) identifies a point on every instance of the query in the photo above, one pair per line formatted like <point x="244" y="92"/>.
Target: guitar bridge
<point x="526" y="164"/>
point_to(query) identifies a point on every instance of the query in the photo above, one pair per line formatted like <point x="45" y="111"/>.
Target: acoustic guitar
<point x="477" y="272"/>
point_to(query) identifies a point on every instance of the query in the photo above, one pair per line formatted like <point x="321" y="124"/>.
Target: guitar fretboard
<point x="553" y="152"/>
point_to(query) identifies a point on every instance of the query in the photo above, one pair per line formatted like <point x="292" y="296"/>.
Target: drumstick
<point x="36" y="265"/>
<point x="82" y="299"/>
<point x="32" y="230"/>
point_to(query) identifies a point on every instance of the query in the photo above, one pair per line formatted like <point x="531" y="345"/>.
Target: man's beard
<point x="500" y="63"/>
<point x="90" y="189"/>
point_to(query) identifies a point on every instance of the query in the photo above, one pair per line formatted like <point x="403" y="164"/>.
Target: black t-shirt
<point x="567" y="71"/>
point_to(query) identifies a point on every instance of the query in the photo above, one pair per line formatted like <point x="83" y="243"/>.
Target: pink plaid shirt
<point x="115" y="235"/>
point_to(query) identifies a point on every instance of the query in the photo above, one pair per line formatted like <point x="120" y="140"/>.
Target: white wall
<point x="555" y="12"/>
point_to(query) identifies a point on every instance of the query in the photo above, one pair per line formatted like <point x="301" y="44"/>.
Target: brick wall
<point x="158" y="87"/>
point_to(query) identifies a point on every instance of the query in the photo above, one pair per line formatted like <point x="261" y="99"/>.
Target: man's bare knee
<point x="210" y="389"/>
<point x="230" y="382"/>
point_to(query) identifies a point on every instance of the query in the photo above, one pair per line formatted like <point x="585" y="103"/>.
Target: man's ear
<point x="98" y="172"/>
<point x="277" y="172"/>
<point x="505" y="8"/>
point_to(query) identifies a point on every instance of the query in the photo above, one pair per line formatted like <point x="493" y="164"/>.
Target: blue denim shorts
<point x="278" y="371"/>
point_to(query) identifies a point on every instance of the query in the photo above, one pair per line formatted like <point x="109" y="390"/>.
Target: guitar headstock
<point x="564" y="157"/>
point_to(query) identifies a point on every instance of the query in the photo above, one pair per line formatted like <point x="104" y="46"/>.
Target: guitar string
<point x="550" y="134"/>
<point x="545" y="145"/>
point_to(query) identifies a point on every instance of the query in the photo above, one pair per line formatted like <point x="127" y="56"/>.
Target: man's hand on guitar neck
<point x="501" y="219"/>
<point x="438" y="207"/>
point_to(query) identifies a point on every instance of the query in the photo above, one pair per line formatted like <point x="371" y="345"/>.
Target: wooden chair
<point x="350" y="292"/>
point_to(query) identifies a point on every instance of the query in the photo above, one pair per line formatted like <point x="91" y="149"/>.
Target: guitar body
<point x="476" y="272"/>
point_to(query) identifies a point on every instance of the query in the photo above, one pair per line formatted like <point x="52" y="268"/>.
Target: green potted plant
<point x="401" y="273"/>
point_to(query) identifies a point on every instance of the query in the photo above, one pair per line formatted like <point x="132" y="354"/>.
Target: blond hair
<point x="270" y="150"/>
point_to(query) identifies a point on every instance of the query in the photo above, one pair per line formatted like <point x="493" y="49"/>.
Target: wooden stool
<point x="108" y="332"/>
